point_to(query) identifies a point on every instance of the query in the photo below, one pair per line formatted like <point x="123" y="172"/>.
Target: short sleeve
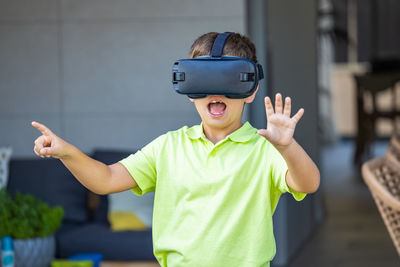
<point x="278" y="170"/>
<point x="142" y="167"/>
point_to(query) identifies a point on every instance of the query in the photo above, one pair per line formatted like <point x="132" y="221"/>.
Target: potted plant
<point x="32" y="224"/>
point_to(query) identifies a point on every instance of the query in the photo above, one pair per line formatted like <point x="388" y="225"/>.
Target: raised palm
<point x="280" y="126"/>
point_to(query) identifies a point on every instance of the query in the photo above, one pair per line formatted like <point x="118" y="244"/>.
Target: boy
<point x="216" y="184"/>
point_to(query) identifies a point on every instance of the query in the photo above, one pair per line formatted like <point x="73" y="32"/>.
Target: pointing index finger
<point x="42" y="128"/>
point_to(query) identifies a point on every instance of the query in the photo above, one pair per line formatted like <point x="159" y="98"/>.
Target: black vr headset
<point x="234" y="77"/>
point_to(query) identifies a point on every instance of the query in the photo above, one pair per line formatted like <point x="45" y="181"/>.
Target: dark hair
<point x="236" y="45"/>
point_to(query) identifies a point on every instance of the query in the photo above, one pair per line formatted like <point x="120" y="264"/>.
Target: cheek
<point x="238" y="106"/>
<point x="202" y="103"/>
<point x="200" y="106"/>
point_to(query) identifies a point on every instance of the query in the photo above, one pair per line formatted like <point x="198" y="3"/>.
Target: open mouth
<point x="216" y="108"/>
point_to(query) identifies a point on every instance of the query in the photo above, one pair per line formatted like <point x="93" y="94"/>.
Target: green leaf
<point x="25" y="216"/>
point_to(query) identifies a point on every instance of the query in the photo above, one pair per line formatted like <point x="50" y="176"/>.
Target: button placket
<point x="214" y="149"/>
<point x="212" y="153"/>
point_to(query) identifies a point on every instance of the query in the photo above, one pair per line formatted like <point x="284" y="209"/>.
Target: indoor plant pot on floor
<point x="31" y="223"/>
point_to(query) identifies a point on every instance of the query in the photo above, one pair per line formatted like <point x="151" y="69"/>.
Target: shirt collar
<point x="241" y="135"/>
<point x="195" y="132"/>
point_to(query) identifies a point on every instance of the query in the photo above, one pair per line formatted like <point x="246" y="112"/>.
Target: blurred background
<point x="98" y="73"/>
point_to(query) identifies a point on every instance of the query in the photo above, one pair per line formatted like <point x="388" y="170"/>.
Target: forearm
<point x="303" y="175"/>
<point x="93" y="174"/>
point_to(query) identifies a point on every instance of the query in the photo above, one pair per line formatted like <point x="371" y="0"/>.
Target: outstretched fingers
<point x="279" y="108"/>
<point x="298" y="115"/>
<point x="285" y="109"/>
<point x="278" y="103"/>
<point x="288" y="107"/>
<point x="269" y="109"/>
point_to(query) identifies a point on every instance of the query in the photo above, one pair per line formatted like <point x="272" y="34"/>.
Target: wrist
<point x="68" y="152"/>
<point x="284" y="148"/>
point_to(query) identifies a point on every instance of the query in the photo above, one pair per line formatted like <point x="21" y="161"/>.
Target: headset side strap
<point x="260" y="72"/>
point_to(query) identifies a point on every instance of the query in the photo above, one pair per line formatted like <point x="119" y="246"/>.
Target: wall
<point x="98" y="73"/>
<point x="292" y="56"/>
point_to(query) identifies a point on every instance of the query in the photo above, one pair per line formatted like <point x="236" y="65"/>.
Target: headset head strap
<point x="219" y="43"/>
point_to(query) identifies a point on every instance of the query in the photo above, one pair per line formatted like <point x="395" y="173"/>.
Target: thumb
<point x="265" y="133"/>
<point x="47" y="151"/>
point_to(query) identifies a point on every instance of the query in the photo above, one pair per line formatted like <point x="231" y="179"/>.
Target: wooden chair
<point x="383" y="179"/>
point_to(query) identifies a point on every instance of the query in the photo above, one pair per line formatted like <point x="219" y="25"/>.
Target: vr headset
<point x="234" y="77"/>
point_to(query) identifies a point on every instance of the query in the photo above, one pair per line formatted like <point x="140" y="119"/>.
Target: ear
<point x="250" y="99"/>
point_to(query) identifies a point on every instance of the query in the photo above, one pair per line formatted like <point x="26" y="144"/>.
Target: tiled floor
<point x="353" y="234"/>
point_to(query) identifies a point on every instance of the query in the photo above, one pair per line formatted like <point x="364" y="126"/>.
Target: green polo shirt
<point x="213" y="204"/>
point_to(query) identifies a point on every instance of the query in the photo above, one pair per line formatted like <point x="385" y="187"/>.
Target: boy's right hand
<point x="49" y="144"/>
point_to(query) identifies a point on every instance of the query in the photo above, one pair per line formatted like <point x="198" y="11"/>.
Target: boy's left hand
<point x="280" y="127"/>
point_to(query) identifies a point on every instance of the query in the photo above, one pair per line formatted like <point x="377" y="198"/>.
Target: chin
<point x="217" y="122"/>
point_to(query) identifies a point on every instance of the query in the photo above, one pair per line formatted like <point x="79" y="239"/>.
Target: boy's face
<point x="219" y="112"/>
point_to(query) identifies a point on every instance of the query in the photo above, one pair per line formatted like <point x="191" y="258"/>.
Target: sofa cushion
<point x="110" y="156"/>
<point x="127" y="202"/>
<point x="107" y="157"/>
<point x="50" y="181"/>
<point x="98" y="238"/>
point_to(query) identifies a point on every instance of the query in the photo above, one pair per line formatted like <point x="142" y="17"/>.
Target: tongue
<point x="217" y="107"/>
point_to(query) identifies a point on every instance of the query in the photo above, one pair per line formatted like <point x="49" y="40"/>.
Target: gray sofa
<point x="85" y="227"/>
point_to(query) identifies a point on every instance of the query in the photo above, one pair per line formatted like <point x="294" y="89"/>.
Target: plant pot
<point x="34" y="252"/>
